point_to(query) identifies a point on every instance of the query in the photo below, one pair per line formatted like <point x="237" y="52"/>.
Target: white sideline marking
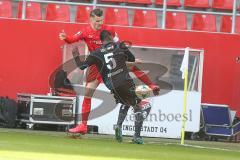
<point x="194" y="146"/>
<point x="56" y="134"/>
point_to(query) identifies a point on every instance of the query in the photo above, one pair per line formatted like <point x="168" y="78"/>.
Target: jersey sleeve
<point x="76" y="57"/>
<point x="80" y="63"/>
<point x="127" y="52"/>
<point x="76" y="37"/>
<point x="131" y="57"/>
<point x="88" y="62"/>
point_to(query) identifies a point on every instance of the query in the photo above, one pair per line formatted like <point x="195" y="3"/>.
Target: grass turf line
<point x="35" y="145"/>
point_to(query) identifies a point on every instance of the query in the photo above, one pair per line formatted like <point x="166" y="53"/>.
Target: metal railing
<point x="163" y="9"/>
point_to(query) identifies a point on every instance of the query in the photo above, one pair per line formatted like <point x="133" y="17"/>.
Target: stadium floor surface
<point x="19" y="144"/>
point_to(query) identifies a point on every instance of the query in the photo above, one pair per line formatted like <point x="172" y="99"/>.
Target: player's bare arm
<point x="137" y="61"/>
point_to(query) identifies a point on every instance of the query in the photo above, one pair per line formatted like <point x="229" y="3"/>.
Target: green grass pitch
<point x="17" y="144"/>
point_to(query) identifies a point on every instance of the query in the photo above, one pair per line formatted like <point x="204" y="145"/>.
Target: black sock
<point x="141" y="111"/>
<point x="122" y="114"/>
<point x="138" y="121"/>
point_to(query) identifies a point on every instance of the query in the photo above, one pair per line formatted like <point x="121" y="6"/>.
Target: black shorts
<point x="125" y="94"/>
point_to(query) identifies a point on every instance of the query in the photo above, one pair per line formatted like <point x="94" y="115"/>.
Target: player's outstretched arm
<point x="77" y="59"/>
<point x="70" y="39"/>
<point x="137" y="61"/>
<point x="81" y="63"/>
<point x="131" y="57"/>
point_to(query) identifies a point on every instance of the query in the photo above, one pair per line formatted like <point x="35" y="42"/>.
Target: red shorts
<point x="92" y="74"/>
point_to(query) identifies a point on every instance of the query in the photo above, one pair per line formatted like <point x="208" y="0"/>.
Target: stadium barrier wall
<point x="30" y="51"/>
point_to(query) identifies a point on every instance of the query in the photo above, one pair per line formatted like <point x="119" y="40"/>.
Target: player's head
<point x="96" y="18"/>
<point x="106" y="37"/>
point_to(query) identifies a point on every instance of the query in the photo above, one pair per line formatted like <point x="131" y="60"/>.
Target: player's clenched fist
<point x="62" y="35"/>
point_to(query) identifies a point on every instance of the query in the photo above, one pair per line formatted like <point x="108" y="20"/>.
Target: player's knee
<point x="139" y="116"/>
<point x="147" y="108"/>
<point x="124" y="107"/>
<point x="88" y="94"/>
<point x="142" y="111"/>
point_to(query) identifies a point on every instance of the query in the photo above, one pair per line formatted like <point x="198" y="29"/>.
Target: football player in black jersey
<point x="111" y="61"/>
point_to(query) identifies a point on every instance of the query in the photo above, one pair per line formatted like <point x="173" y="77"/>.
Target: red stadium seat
<point x="176" y="20"/>
<point x="197" y="3"/>
<point x="144" y="18"/>
<point x="5" y="9"/>
<point x="174" y="3"/>
<point x="226" y="24"/>
<point x="202" y="22"/>
<point x="222" y="4"/>
<point x="83" y="13"/>
<point x="33" y="11"/>
<point x="116" y="16"/>
<point x="119" y="1"/>
<point x="57" y="12"/>
<point x="139" y="1"/>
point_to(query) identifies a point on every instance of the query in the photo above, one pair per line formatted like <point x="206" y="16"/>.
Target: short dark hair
<point x="96" y="12"/>
<point x="105" y="36"/>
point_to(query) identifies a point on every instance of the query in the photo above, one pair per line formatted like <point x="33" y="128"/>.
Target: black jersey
<point x="111" y="60"/>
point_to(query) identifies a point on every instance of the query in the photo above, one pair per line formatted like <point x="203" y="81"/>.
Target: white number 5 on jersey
<point x="108" y="58"/>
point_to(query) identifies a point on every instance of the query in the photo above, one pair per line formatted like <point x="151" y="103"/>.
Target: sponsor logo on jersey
<point x="97" y="42"/>
<point x="78" y="33"/>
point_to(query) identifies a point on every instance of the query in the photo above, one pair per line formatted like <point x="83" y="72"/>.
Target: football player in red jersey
<point x="91" y="36"/>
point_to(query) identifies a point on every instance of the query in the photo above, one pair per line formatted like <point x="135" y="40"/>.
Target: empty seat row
<point x="54" y="11"/>
<point x="201" y="22"/>
<point x="130" y="1"/>
<point x="217" y="4"/>
<point x="174" y="20"/>
<point x="33" y="11"/>
<point x="119" y="16"/>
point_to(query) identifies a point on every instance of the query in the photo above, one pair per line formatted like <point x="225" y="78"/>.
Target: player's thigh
<point x="126" y="96"/>
<point x="91" y="87"/>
